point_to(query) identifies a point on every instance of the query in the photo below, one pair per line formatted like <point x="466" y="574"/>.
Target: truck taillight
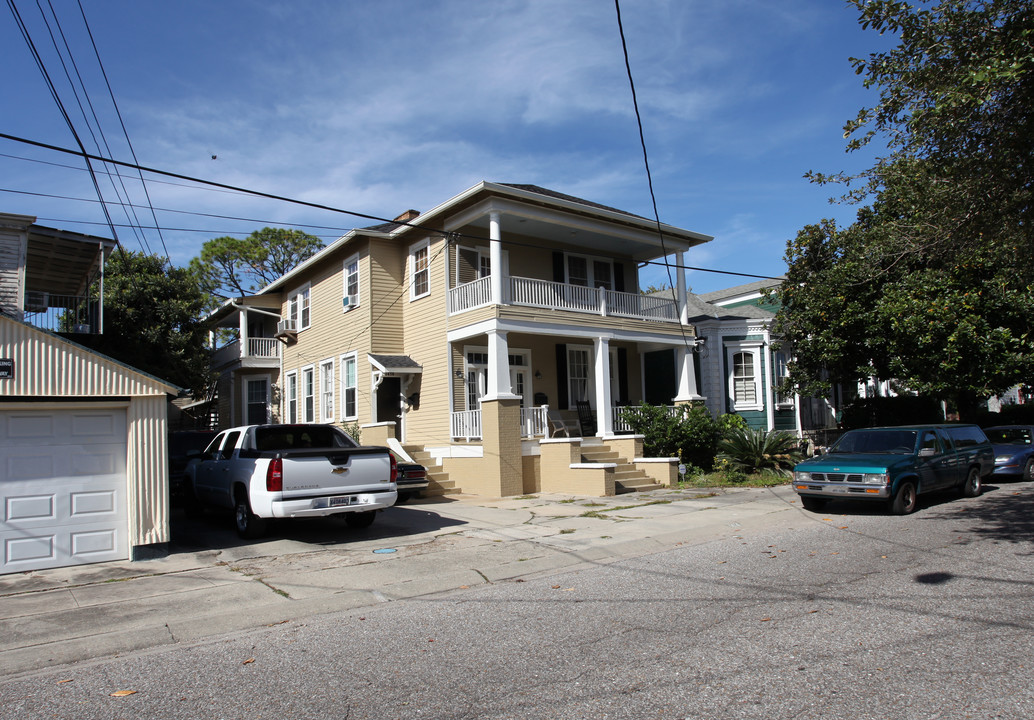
<point x="275" y="475"/>
<point x="394" y="468"/>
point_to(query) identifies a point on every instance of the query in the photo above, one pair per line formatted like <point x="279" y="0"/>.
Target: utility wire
<point x="245" y="191"/>
<point x="646" y="163"/>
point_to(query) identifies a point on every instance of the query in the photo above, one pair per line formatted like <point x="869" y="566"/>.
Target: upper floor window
<point x="419" y="272"/>
<point x="590" y="272"/>
<point x="298" y="308"/>
<point x="779" y="375"/>
<point x="350" y="298"/>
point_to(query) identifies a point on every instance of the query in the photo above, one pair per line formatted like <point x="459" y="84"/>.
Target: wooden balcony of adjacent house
<point x="565" y="297"/>
<point x="69" y="314"/>
<point x="255" y="352"/>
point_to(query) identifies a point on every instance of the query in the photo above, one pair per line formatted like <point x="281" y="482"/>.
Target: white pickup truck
<point x="285" y="471"/>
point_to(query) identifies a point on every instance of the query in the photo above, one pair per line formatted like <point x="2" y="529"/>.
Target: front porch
<point x="537" y="423"/>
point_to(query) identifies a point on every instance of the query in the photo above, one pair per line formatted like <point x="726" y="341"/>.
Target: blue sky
<point x="381" y="106"/>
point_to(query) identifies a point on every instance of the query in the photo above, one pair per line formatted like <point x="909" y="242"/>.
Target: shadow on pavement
<point x="214" y="530"/>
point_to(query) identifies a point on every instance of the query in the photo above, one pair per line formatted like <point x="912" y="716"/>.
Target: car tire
<point x="973" y="485"/>
<point x="360" y="520"/>
<point x="814" y="504"/>
<point x="1028" y="470"/>
<point x="904" y="501"/>
<point x="249" y="526"/>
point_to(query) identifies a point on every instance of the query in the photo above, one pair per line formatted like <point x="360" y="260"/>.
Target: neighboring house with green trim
<point x="738" y="368"/>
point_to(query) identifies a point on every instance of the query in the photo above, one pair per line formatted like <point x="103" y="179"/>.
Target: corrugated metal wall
<point x="46" y="366"/>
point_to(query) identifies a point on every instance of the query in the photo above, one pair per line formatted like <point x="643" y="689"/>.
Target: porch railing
<point x="621" y="424"/>
<point x="62" y="313"/>
<point x="256" y="348"/>
<point x="530" y="292"/>
<point x="466" y="424"/>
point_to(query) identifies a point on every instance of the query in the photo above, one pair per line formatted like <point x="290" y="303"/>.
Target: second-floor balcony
<point x="63" y="313"/>
<point x="530" y="292"/>
<point x="256" y="351"/>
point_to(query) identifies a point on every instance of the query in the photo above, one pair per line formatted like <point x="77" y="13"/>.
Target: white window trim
<point x="353" y="357"/>
<point x="289" y="416"/>
<point x="590" y="269"/>
<point x="311" y="370"/>
<point x="754" y="350"/>
<point x="781" y="402"/>
<point x="354" y="299"/>
<point x="244" y="395"/>
<point x="324" y="392"/>
<point x="482" y="368"/>
<point x="295" y="313"/>
<point x="424" y="244"/>
<point x="590" y="388"/>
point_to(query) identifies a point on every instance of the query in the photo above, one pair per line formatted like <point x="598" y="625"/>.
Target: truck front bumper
<point x="873" y="486"/>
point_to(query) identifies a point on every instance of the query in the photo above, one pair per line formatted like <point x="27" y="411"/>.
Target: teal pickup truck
<point x="895" y="465"/>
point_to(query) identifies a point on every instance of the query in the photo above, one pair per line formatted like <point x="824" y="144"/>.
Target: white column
<point x="684" y="365"/>
<point x="680" y="290"/>
<point x="769" y="378"/>
<point x="243" y="317"/>
<point x="604" y="418"/>
<point x="498" y="366"/>
<point x="495" y="248"/>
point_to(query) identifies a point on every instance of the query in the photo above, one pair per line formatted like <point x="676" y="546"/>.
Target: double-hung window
<point x="579" y="374"/>
<point x="743" y="363"/>
<point x="308" y="394"/>
<point x="350" y="298"/>
<point x="349" y="397"/>
<point x="419" y="270"/>
<point x="291" y="397"/>
<point x="298" y="308"/>
<point x="327" y="391"/>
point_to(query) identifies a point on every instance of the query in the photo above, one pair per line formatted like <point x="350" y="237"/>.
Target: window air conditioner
<point x="36" y="301"/>
<point x="285" y="326"/>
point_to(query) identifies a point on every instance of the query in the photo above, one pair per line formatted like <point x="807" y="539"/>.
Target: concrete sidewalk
<point x="212" y="583"/>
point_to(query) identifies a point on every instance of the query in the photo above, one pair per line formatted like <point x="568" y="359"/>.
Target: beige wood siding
<point x="390" y="294"/>
<point x="147" y="471"/>
<point x="425" y="326"/>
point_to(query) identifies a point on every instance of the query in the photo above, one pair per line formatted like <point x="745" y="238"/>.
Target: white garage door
<point x="63" y="487"/>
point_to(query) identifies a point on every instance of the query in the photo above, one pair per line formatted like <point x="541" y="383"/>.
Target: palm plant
<point x="753" y="451"/>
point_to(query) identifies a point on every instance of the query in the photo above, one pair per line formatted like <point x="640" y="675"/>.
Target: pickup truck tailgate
<point x="334" y="471"/>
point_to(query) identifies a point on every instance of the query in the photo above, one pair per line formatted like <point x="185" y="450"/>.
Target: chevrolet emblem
<point x="339" y="470"/>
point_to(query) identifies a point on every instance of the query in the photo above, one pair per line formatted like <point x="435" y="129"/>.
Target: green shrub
<point x="688" y="432"/>
<point x="752" y="451"/>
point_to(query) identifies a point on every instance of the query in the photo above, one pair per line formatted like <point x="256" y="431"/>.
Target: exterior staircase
<point x="438" y="482"/>
<point x="627" y="478"/>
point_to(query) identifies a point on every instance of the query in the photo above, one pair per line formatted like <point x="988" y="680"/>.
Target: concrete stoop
<point x="627" y="478"/>
<point x="438" y="482"/>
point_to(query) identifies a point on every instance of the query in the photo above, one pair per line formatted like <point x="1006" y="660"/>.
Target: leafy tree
<point x="151" y="314"/>
<point x="930" y="284"/>
<point x="240" y="266"/>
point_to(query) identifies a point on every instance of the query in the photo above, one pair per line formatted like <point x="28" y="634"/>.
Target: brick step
<point x="645" y="485"/>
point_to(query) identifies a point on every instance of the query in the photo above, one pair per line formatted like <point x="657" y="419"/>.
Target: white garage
<point x="63" y="487"/>
<point x="83" y="460"/>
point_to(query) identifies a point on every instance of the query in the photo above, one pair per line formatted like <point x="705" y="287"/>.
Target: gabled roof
<point x="737" y="291"/>
<point x="539" y="211"/>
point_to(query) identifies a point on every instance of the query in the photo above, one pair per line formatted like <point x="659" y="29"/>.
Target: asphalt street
<point x="847" y="613"/>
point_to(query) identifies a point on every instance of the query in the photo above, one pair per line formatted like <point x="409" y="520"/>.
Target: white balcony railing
<point x="466" y="424"/>
<point x="268" y="348"/>
<point x="621" y="424"/>
<point x="530" y="292"/>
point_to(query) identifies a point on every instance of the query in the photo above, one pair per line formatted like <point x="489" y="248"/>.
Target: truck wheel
<point x="249" y="526"/>
<point x="812" y="503"/>
<point x="904" y="500"/>
<point x="359" y="520"/>
<point x="973" y="484"/>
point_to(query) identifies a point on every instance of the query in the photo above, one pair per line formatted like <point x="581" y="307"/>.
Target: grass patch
<point x="568" y="500"/>
<point x="727" y="479"/>
<point x="567" y="531"/>
<point x="527" y="497"/>
<point x="593" y="504"/>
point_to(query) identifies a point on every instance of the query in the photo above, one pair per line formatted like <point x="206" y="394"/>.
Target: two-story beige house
<point x="494" y="337"/>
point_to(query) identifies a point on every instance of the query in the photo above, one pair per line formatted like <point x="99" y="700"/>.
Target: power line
<point x="246" y="191"/>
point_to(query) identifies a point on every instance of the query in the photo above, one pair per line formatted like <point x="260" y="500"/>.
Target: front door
<point x="389" y="403"/>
